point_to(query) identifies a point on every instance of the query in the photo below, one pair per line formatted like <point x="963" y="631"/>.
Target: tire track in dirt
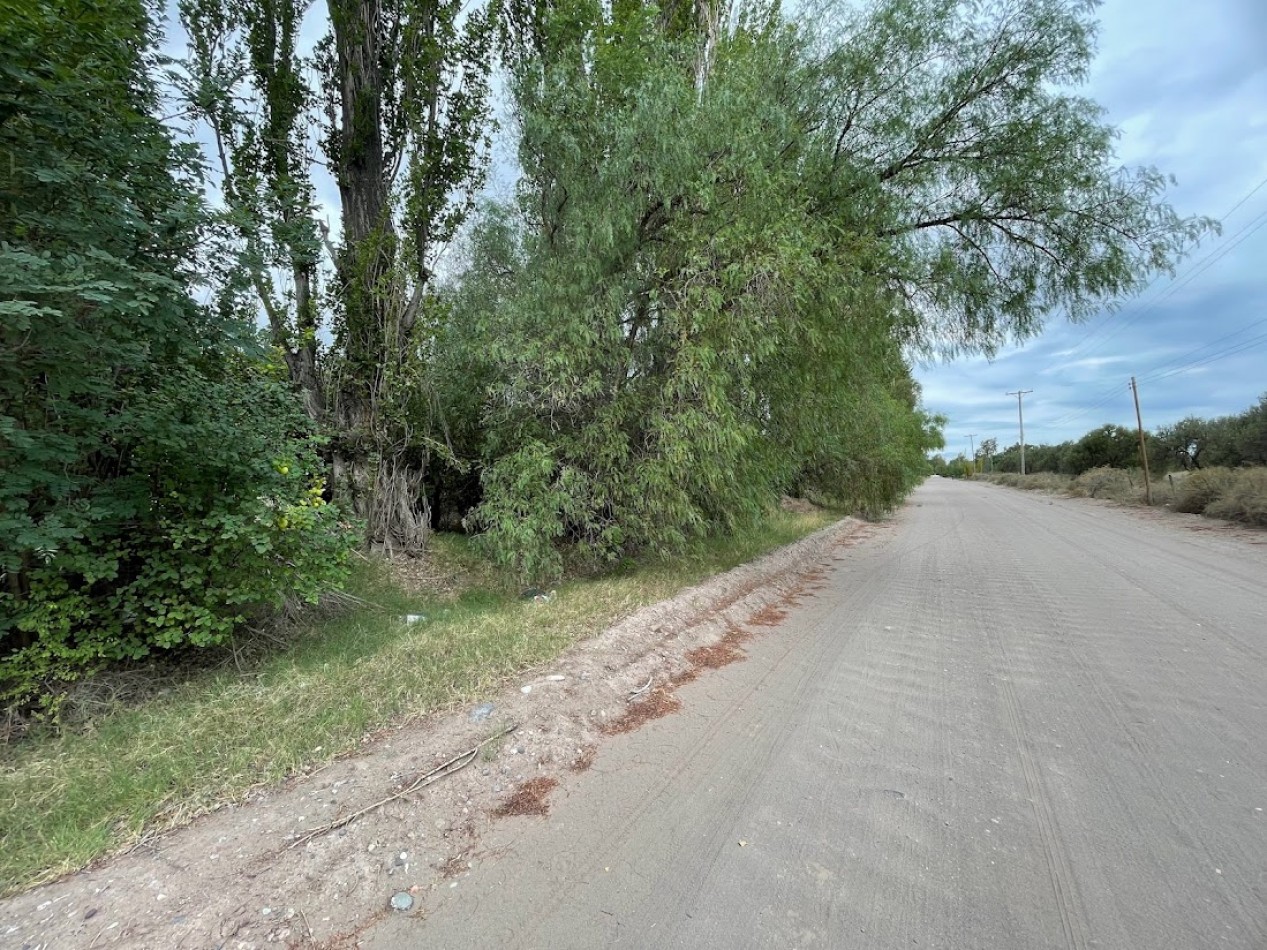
<point x="1064" y="890"/>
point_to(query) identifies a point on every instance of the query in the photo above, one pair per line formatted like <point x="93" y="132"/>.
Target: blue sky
<point x="1186" y="83"/>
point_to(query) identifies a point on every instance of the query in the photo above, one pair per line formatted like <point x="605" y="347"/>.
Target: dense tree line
<point x="1190" y="444"/>
<point x="733" y="229"/>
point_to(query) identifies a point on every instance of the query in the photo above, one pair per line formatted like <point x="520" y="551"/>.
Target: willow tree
<point x="953" y="133"/>
<point x="403" y="104"/>
<point x="739" y="225"/>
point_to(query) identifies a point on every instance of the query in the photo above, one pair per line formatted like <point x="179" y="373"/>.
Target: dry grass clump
<point x="1201" y="488"/>
<point x="1046" y="481"/>
<point x="1113" y="483"/>
<point x="1037" y="481"/>
<point x="1242" y="498"/>
<point x="1234" y="494"/>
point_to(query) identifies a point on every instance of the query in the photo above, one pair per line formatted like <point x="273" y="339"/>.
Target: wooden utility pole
<point x="1143" y="449"/>
<point x="972" y="447"/>
<point x="1020" y="412"/>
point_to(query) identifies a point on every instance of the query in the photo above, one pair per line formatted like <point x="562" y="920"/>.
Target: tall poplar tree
<point x="403" y="103"/>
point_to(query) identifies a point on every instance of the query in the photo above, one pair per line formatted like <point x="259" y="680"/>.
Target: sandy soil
<point x="258" y="875"/>
<point x="1004" y="723"/>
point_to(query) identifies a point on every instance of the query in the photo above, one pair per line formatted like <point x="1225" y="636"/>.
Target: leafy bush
<point x="217" y="516"/>
<point x="1243" y="498"/>
<point x="1195" y="493"/>
<point x="156" y="486"/>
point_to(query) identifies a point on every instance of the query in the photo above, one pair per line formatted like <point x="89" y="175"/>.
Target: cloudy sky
<point x="1186" y="83"/>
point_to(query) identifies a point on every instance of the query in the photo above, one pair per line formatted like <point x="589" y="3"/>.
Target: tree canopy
<point x="733" y="230"/>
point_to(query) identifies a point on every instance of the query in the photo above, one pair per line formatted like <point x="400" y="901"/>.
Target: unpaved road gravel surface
<point x="1006" y="721"/>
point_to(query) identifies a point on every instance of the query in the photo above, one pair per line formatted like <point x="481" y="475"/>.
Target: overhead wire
<point x="1152" y="371"/>
<point x="1112" y="327"/>
<point x="1195" y="271"/>
<point x="1241" y="347"/>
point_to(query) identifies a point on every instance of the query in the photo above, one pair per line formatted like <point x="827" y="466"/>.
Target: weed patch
<point x="1243" y="498"/>
<point x="1202" y="488"/>
<point x="584" y="759"/>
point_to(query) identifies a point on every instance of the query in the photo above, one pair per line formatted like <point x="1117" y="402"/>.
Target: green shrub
<point x="216" y="516"/>
<point x="1243" y="498"/>
<point x="157" y="485"/>
<point x="1195" y="493"/>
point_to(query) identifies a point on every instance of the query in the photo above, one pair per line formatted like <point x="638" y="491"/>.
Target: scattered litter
<point x="526" y="689"/>
<point x="643" y="688"/>
<point x="743" y="844"/>
<point x="556" y="677"/>
<point x="402" y="901"/>
<point x="414" y="618"/>
<point x="482" y="712"/>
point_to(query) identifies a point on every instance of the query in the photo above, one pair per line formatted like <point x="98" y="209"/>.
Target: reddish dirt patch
<point x="688" y="675"/>
<point x="770" y="616"/>
<point x="530" y="798"/>
<point x="661" y="702"/>
<point x="722" y="653"/>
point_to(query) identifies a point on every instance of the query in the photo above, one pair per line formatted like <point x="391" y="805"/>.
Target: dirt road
<point x="1007" y="722"/>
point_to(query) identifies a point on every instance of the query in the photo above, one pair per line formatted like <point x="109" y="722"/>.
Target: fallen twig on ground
<point x="454" y="765"/>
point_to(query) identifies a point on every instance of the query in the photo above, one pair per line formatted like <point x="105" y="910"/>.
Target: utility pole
<point x="1143" y="451"/>
<point x="972" y="447"/>
<point x="1020" y="413"/>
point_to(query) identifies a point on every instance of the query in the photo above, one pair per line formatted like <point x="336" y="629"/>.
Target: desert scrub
<point x="1243" y="498"/>
<point x="1112" y="483"/>
<point x="1201" y="488"/>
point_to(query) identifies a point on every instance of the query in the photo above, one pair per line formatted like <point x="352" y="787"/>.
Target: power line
<point x="1191" y="274"/>
<point x="1195" y="271"/>
<point x="1250" y="344"/>
<point x="1106" y="397"/>
<point x="1253" y="191"/>
<point x="1148" y="373"/>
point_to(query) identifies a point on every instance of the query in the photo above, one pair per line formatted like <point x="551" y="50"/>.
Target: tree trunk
<point x="384" y="483"/>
